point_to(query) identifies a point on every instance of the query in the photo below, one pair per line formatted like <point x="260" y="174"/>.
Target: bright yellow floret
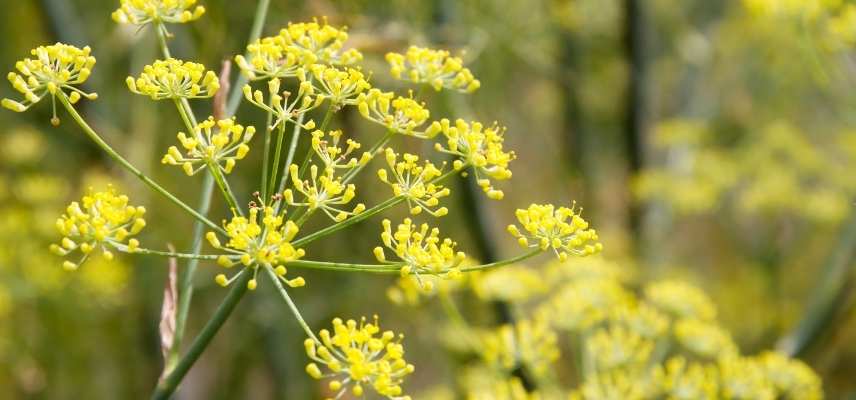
<point x="174" y="79"/>
<point x="279" y="105"/>
<point x="140" y="12"/>
<point x="101" y="221"/>
<point x="478" y="147"/>
<point x="340" y="86"/>
<point x="53" y="71"/>
<point x="322" y="191"/>
<point x="402" y="115"/>
<point x="414" y="181"/>
<point x="420" y="249"/>
<point x="433" y="67"/>
<point x="358" y="354"/>
<point x="214" y="143"/>
<point x="563" y="230"/>
<point x="322" y="41"/>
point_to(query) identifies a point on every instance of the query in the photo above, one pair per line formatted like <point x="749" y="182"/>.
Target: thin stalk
<point x="172" y="254"/>
<point x="373" y="151"/>
<point x="161" y="31"/>
<point x="392" y="269"/>
<point x="255" y="33"/>
<point x="130" y="167"/>
<point x="225" y="188"/>
<point x="292" y="148"/>
<point x="291" y="304"/>
<point x="185" y="290"/>
<point x="454" y="313"/>
<point x="276" y="155"/>
<point x="327" y="117"/>
<point x="167" y="386"/>
<point x="266" y="158"/>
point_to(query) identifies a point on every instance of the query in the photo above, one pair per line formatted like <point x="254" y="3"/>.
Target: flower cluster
<point x="270" y="58"/>
<point x="528" y="342"/>
<point x="415" y="182"/>
<point x="335" y="157"/>
<point x="562" y="230"/>
<point x="617" y="347"/>
<point x="433" y="67"/>
<point x="340" y="86"/>
<point x="405" y="116"/>
<point x="279" y="106"/>
<point x="174" y="79"/>
<point x="478" y="147"/>
<point x="100" y="221"/>
<point x="54" y="69"/>
<point x="421" y="250"/>
<point x="359" y="354"/>
<point x="209" y="147"/>
<point x="323" y="42"/>
<point x="325" y="192"/>
<point x="260" y="239"/>
<point x="141" y="12"/>
<point x="680" y="300"/>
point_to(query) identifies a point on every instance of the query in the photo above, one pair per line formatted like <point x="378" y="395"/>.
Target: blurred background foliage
<point x="712" y="141"/>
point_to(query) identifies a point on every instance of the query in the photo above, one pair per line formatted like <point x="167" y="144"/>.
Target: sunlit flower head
<point x="640" y="318"/>
<point x="528" y="342"/>
<point x="261" y="239"/>
<point x="140" y="12"/>
<point x="563" y="230"/>
<point x="271" y="57"/>
<point x="282" y="105"/>
<point x="414" y="181"/>
<point x="100" y="221"/>
<point x="322" y="41"/>
<point x="335" y="155"/>
<point x="478" y="147"/>
<point x="704" y="339"/>
<point x="421" y="250"/>
<point x="355" y="355"/>
<point x="174" y="79"/>
<point x="744" y="378"/>
<point x="680" y="300"/>
<point x="219" y="143"/>
<point x="634" y="383"/>
<point x="433" y="67"/>
<point x="513" y="283"/>
<point x="402" y="115"/>
<point x="617" y="347"/>
<point x="682" y="380"/>
<point x="322" y="191"/>
<point x="53" y="71"/>
<point x="340" y="86"/>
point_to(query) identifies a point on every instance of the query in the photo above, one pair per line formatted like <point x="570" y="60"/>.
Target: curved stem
<point x="167" y="386"/>
<point x="392" y="269"/>
<point x="172" y="254"/>
<point x="255" y="33"/>
<point x="291" y="304"/>
<point x="130" y="167"/>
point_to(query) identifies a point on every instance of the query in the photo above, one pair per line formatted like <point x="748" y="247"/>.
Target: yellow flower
<point x="528" y="342"/>
<point x="260" y="239"/>
<point x="271" y="57"/>
<point x="141" y="12"/>
<point x="339" y="86"/>
<point x="405" y="116"/>
<point x="55" y="69"/>
<point x="434" y="67"/>
<point x="680" y="380"/>
<point x="704" y="339"/>
<point x="325" y="192"/>
<point x="680" y="300"/>
<point x="640" y="318"/>
<point x="421" y="250"/>
<point x="359" y="354"/>
<point x="514" y="283"/>
<point x="563" y="230"/>
<point x="173" y="79"/>
<point x="478" y="147"/>
<point x="323" y="42"/>
<point x="792" y="378"/>
<point x="744" y="378"/>
<point x="624" y="384"/>
<point x="334" y="156"/>
<point x="414" y="182"/>
<point x="616" y="347"/>
<point x="279" y="106"/>
<point x="209" y="147"/>
<point x="582" y="304"/>
<point x="102" y="220"/>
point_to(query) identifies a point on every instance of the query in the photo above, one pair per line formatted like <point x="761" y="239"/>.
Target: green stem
<point x="292" y="148"/>
<point x="255" y="33"/>
<point x="167" y="386"/>
<point x="172" y="254"/>
<point x="291" y="304"/>
<point x="392" y="269"/>
<point x="266" y="158"/>
<point x="161" y="31"/>
<point x="130" y="167"/>
<point x="225" y="188"/>
<point x="276" y="156"/>
<point x="373" y="151"/>
<point x="185" y="290"/>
